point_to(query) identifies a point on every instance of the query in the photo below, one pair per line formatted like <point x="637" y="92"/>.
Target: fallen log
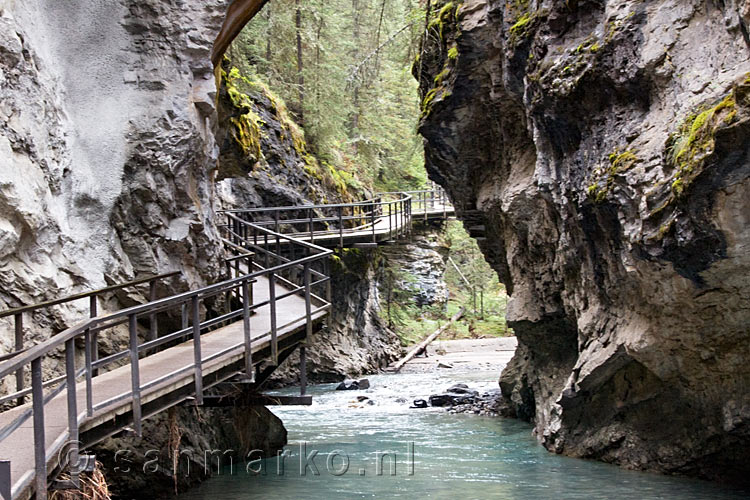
<point x="427" y="341"/>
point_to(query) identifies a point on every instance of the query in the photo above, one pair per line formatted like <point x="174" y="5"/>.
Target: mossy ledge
<point x="248" y="131"/>
<point x="603" y="179"/>
<point x="692" y="144"/>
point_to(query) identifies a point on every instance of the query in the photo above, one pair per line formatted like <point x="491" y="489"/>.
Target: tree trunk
<point x="300" y="76"/>
<point x="269" y="64"/>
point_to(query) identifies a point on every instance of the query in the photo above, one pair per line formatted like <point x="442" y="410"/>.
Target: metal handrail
<point x="92" y="295"/>
<point x="243" y="237"/>
<point x="67" y="338"/>
<point x="85" y="295"/>
<point x="397" y="212"/>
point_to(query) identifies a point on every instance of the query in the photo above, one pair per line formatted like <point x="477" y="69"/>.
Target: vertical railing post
<point x="272" y="304"/>
<point x="94" y="334"/>
<point x="184" y="317"/>
<point x="197" y="352"/>
<point x="70" y="382"/>
<point x="308" y="332"/>
<point x="402" y="215"/>
<point x="152" y="326"/>
<point x="40" y="453"/>
<point x="246" y="327"/>
<point x="18" y="320"/>
<point x="89" y="374"/>
<point x="390" y="221"/>
<point x="228" y="293"/>
<point x="135" y="376"/>
<point x="341" y="226"/>
<point x="266" y="251"/>
<point x="302" y="370"/>
<point x="372" y="222"/>
<point x="312" y="226"/>
<point x="277" y="230"/>
<point x="308" y="300"/>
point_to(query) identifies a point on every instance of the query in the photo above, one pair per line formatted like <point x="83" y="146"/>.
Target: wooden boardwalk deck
<point x="168" y="377"/>
<point x="117" y="382"/>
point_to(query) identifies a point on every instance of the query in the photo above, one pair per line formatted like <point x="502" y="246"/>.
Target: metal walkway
<point x="276" y="295"/>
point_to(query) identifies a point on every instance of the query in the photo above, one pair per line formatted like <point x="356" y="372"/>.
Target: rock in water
<point x="441" y="400"/>
<point x="363" y="383"/>
<point x="613" y="193"/>
<point x="462" y="389"/>
<point x="348" y="385"/>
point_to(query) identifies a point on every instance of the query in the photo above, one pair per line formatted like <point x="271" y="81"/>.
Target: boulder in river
<point x="463" y="389"/>
<point x="353" y="385"/>
<point x="348" y="385"/>
<point x="441" y="400"/>
<point x="419" y="403"/>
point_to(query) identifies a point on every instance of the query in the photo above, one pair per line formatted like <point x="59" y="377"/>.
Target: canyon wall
<point x="601" y="151"/>
<point x="107" y="147"/>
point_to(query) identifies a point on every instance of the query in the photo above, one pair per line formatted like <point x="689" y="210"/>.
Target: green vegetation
<point x="440" y="18"/>
<point x="694" y="140"/>
<point x="248" y="129"/>
<point x="604" y="179"/>
<point x="349" y="87"/>
<point x="247" y="126"/>
<point x="413" y="323"/>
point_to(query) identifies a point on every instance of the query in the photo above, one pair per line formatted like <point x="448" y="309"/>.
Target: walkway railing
<point x="93" y="296"/>
<point x="387" y="216"/>
<point x="188" y="305"/>
<point x="277" y="244"/>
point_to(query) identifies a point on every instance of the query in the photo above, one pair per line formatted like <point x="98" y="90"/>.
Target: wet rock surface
<point x="602" y="148"/>
<point x="201" y="439"/>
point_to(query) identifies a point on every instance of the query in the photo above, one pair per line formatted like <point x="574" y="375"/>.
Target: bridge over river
<point x="276" y="294"/>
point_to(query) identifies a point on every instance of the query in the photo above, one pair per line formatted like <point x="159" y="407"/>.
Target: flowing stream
<point x="454" y="456"/>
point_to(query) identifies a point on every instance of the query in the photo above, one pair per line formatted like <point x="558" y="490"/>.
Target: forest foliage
<point x="344" y="69"/>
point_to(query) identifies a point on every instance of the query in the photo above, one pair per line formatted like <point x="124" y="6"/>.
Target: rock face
<point x="420" y="264"/>
<point x="604" y="147"/>
<point x="201" y="439"/>
<point x="357" y="340"/>
<point x="107" y="147"/>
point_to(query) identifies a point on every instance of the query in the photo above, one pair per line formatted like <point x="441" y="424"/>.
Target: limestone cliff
<point x="420" y="265"/>
<point x="107" y="148"/>
<point x="603" y="148"/>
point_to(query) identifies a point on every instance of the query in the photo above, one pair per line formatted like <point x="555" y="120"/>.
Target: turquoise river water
<point x="437" y="455"/>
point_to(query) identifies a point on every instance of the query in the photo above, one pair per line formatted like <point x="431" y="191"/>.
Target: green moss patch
<point x="604" y="178"/>
<point x="695" y="139"/>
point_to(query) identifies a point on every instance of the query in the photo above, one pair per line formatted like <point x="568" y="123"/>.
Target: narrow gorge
<point x="302" y="192"/>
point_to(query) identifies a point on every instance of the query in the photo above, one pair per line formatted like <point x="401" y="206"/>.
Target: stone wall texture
<point x="603" y="147"/>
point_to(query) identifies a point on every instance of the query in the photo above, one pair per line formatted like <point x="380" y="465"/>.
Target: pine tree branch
<point x="358" y="68"/>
